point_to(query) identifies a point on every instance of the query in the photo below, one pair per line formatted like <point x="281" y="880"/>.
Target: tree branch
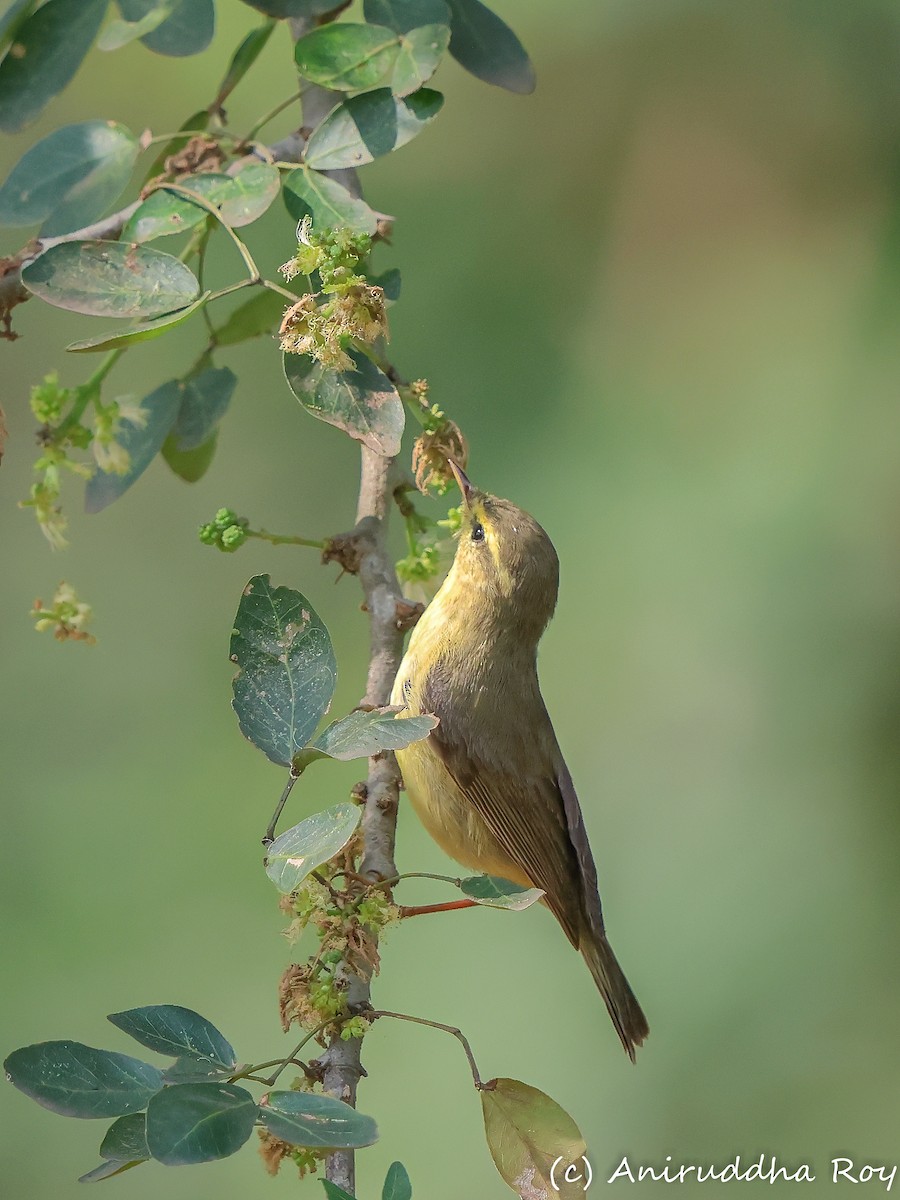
<point x="364" y="549"/>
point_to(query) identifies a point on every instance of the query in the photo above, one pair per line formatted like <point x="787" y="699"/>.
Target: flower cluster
<point x="226" y="530"/>
<point x="67" y="616"/>
<point x="60" y="411"/>
<point x="346" y="309"/>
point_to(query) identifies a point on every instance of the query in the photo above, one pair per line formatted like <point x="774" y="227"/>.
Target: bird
<point x="490" y="783"/>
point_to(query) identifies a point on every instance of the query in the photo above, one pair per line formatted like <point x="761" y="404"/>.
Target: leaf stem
<point x="87" y="391"/>
<point x="279" y="808"/>
<point x="202" y="202"/>
<point x="274" y="287"/>
<point x="271" y="114"/>
<point x="451" y="1029"/>
<point x="419" y="910"/>
<point x="189" y="133"/>
<point x="285" y="1062"/>
<point x="279" y="539"/>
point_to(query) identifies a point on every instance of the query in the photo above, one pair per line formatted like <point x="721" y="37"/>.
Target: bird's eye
<point x="478" y="533"/>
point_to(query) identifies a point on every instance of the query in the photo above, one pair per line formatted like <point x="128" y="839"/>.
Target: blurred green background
<point x="660" y="296"/>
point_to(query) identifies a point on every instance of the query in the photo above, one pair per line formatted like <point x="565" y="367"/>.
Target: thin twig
<point x="457" y="1033"/>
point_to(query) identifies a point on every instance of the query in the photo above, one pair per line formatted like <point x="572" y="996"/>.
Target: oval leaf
<point x="194" y="1070"/>
<point x="146" y="331"/>
<point x="109" y="279"/>
<point x="315" y="841"/>
<point x="142" y="442"/>
<point x="171" y="1029"/>
<point x="240" y="199"/>
<point x="79" y="1081"/>
<point x="204" y="401"/>
<point x="527" y="1133"/>
<point x="253" y="189"/>
<point x="243" y="59"/>
<point x="316" y="1121"/>
<point x="107" y="1169"/>
<point x="488" y="48"/>
<point x="347" y="57"/>
<point x="333" y="1192"/>
<point x="199" y="1122"/>
<point x="48" y="50"/>
<point x="256" y="316"/>
<point x="363" y="402"/>
<point x="189" y="465"/>
<point x="120" y="33"/>
<point x="309" y="193"/>
<point x="70" y="177"/>
<point x="188" y="29"/>
<point x="287" y="669"/>
<point x="396" y="1183"/>
<point x="126" y="1139"/>
<point x="404" y="15"/>
<point x="367" y="126"/>
<point x="495" y="892"/>
<point x="421" y="50"/>
<point x="362" y="734"/>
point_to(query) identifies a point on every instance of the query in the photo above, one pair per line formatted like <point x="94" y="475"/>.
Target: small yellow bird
<point x="490" y="783"/>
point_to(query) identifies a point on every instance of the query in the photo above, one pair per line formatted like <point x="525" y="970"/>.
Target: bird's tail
<point x="621" y="1002"/>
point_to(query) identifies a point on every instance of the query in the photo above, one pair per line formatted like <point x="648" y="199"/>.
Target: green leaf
<point x="171" y="1029"/>
<point x="363" y="401"/>
<point x="48" y="50"/>
<point x="362" y="734"/>
<point x="241" y="199"/>
<point x="110" y="279"/>
<point x="70" y="177"/>
<point x="145" y="331"/>
<point x="243" y="59"/>
<point x="191" y="443"/>
<point x="345" y="56"/>
<point x="316" y="1121"/>
<point x="194" y="1070"/>
<point x="126" y="1139"/>
<point x="260" y="314"/>
<point x="79" y="1081"/>
<point x="364" y="127"/>
<point x="119" y="33"/>
<point x="199" y="1122"/>
<point x="488" y="48"/>
<point x="309" y="193"/>
<point x="286" y="669"/>
<point x="188" y="30"/>
<point x="204" y="402"/>
<point x="107" y="1169"/>
<point x="421" y="50"/>
<point x="282" y="9"/>
<point x="527" y="1133"/>
<point x="142" y="443"/>
<point x="189" y="465"/>
<point x="389" y="282"/>
<point x="396" y="1183"/>
<point x="253" y="189"/>
<point x="300" y="850"/>
<point x="495" y="892"/>
<point x="404" y="15"/>
<point x="333" y="1192"/>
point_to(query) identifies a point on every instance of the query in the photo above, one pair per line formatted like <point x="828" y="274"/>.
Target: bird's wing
<point x="533" y="813"/>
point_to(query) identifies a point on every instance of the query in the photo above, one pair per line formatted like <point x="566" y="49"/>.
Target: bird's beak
<point x="464" y="486"/>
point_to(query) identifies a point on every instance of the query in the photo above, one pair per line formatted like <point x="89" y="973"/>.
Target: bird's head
<point x="505" y="554"/>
